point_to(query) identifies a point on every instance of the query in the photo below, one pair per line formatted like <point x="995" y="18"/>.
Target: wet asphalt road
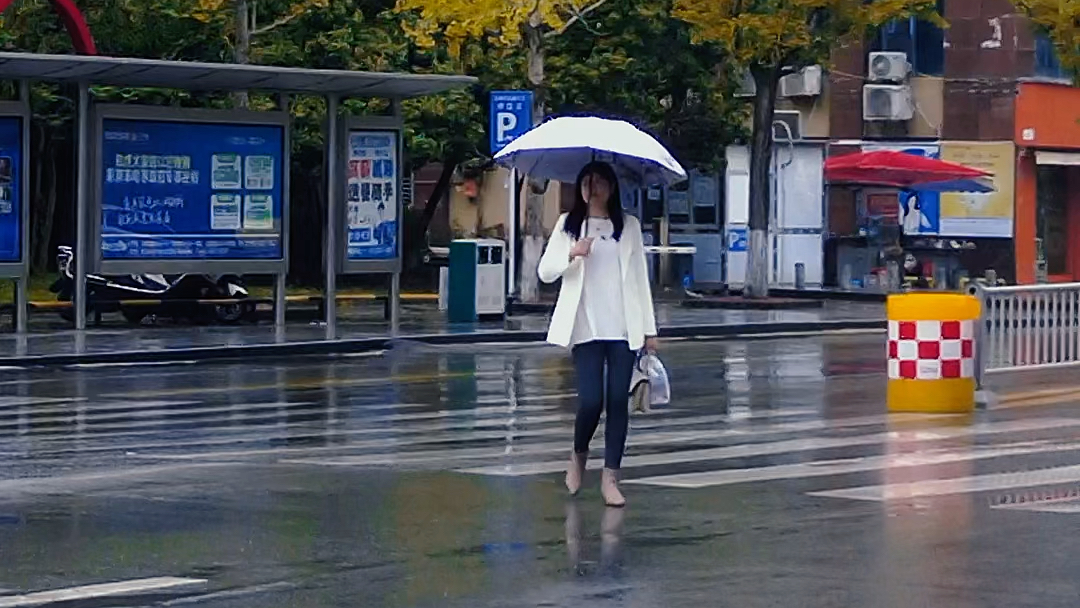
<point x="431" y="477"/>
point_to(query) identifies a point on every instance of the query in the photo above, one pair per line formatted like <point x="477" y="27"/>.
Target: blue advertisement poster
<point x="191" y="190"/>
<point x="10" y="189"/>
<point x="372" y="195"/>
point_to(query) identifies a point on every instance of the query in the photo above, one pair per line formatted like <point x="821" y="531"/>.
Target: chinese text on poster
<point x="190" y="190"/>
<point x="10" y="189"/>
<point x="372" y="196"/>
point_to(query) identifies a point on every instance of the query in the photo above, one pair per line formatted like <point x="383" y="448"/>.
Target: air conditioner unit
<point x="804" y="83"/>
<point x="888" y="67"/>
<point x="888" y="102"/>
<point x="787" y="125"/>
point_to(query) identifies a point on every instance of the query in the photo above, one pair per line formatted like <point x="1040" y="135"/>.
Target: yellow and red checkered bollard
<point x="931" y="352"/>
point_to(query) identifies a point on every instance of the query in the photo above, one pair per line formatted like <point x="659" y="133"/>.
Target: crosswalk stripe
<point x="513" y="434"/>
<point x="163" y="416"/>
<point x="96" y="413"/>
<point x="96" y="409"/>
<point x="232" y="412"/>
<point x="780" y="447"/>
<point x="16" y="402"/>
<point x="405" y="440"/>
<point x="805" y="470"/>
<point x="322" y="383"/>
<point x="560" y="447"/>
<point x="89" y="592"/>
<point x="384" y="442"/>
<point x="957" y="485"/>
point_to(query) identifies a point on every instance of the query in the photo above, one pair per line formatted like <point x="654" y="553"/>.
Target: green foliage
<point x="1060" y="20"/>
<point x="792" y="32"/>
<point x="633" y="59"/>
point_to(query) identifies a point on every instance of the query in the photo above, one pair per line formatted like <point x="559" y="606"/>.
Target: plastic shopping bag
<point x="650" y="387"/>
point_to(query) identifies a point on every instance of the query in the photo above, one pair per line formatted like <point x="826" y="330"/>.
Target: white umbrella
<point x="558" y="149"/>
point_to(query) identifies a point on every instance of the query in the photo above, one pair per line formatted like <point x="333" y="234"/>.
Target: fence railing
<point x="1027" y="327"/>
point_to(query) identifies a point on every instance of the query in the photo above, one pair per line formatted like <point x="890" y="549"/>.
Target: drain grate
<point x="1058" y="500"/>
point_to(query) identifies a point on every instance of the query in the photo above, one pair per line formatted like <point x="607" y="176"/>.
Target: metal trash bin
<point x="476" y="282"/>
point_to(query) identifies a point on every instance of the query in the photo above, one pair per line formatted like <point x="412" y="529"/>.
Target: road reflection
<point x="612" y="524"/>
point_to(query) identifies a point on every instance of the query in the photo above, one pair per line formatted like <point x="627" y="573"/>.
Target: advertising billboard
<point x="191" y="190"/>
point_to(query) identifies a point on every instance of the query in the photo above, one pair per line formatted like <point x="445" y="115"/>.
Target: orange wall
<point x="1048" y="116"/>
<point x="1024" y="226"/>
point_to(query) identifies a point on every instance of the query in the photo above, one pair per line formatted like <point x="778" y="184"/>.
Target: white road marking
<point x="781" y="447"/>
<point x="87" y="592"/>
<point x="161" y="416"/>
<point x="805" y="470"/>
<point x="14" y="402"/>
<point x="74" y="483"/>
<point x="78" y="366"/>
<point x="958" y="485"/>
<point x="430" y="431"/>
<point x="540" y="449"/>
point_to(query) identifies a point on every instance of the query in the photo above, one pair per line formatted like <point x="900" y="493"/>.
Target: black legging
<point x="590" y="360"/>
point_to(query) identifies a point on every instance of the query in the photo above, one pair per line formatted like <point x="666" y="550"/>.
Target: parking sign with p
<point x="511" y="116"/>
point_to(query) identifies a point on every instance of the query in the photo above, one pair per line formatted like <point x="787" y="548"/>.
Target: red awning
<point x="892" y="169"/>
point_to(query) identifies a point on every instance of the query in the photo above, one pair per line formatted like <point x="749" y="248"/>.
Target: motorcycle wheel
<point x="133" y="315"/>
<point x="231" y="313"/>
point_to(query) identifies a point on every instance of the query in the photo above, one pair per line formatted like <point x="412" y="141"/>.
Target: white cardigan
<point x="637" y="295"/>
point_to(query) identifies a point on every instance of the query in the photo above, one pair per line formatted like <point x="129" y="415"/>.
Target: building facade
<point x="987" y="91"/>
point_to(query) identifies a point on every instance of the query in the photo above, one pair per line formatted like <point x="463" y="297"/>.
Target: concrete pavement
<point x="431" y="476"/>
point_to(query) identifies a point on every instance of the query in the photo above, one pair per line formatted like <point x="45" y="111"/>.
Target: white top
<point x="600" y="314"/>
<point x="555" y="265"/>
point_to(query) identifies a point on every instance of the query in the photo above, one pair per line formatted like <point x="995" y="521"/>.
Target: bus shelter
<point x="170" y="190"/>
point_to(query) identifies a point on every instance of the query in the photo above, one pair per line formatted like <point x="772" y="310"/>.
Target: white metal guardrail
<point x="1027" y="327"/>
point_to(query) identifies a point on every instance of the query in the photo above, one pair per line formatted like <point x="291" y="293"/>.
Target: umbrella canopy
<point x="978" y="185"/>
<point x="558" y="149"/>
<point x="892" y="169"/>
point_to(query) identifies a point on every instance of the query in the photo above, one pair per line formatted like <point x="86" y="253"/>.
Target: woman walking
<point x="604" y="314"/>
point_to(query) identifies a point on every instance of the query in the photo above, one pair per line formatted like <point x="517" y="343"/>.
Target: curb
<point x="368" y="345"/>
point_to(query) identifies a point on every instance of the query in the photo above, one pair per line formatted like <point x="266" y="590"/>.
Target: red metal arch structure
<point x="74" y="23"/>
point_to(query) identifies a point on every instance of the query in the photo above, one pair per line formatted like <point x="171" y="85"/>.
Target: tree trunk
<point x="242" y="52"/>
<point x="438" y="193"/>
<point x="43" y="193"/>
<point x="761" y="146"/>
<point x="532" y="246"/>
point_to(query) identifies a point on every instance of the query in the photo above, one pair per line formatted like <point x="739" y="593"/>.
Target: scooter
<point x="138" y="296"/>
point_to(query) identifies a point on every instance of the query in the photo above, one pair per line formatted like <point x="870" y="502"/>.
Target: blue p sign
<point x="511" y="116"/>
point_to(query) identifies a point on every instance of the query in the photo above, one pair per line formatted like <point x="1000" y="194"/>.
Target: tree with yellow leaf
<point x="1061" y="22"/>
<point x="245" y="20"/>
<point x="770" y="38"/>
<point x="504" y="24"/>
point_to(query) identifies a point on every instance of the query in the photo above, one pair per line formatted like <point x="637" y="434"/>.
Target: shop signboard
<point x="919" y="213"/>
<point x="11" y="191"/>
<point x="981" y="215"/>
<point x="373" y="194"/>
<point x="178" y="191"/>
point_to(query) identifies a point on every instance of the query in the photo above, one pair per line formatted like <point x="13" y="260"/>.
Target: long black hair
<point x="577" y="215"/>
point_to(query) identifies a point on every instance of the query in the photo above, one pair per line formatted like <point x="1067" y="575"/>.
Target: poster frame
<point x="393" y="124"/>
<point x="103" y="112"/>
<point x="21" y="268"/>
